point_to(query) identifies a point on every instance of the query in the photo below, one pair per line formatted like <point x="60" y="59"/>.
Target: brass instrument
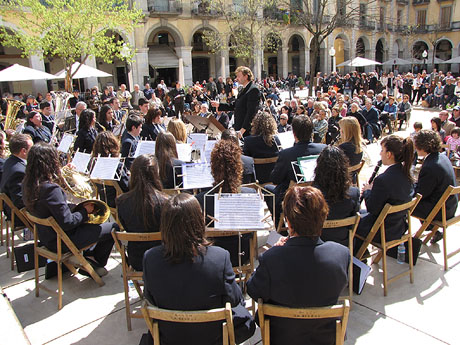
<point x="12" y="110"/>
<point x="100" y="214"/>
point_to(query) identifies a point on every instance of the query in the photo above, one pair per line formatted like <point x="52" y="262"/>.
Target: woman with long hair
<point x="139" y="209"/>
<point x="44" y="197"/>
<point x="166" y="153"/>
<point x="107" y="145"/>
<point x="186" y="273"/>
<point x="87" y="133"/>
<point x="152" y="125"/>
<point x="394" y="186"/>
<point x="262" y="143"/>
<point x="333" y="179"/>
<point x="436" y="125"/>
<point x="106" y="120"/>
<point x="351" y="140"/>
<point x="177" y="128"/>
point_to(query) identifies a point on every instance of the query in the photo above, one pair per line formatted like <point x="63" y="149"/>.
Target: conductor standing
<point x="246" y="105"/>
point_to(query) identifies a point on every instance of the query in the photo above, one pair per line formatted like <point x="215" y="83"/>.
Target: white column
<point x="257" y="64"/>
<point x="91" y="82"/>
<point x="307" y="62"/>
<point x="185" y="53"/>
<point x="181" y="71"/>
<point x="36" y="62"/>
<point x="285" y="61"/>
<point x="222" y="67"/>
<point x="140" y="66"/>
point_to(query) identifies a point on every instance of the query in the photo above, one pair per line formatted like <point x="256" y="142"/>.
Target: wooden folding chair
<point x="263" y="161"/>
<point x="356" y="169"/>
<point x="11" y="226"/>
<point x="384" y="246"/>
<point x="118" y="191"/>
<point x="59" y="257"/>
<point x="154" y="314"/>
<point x="352" y="224"/>
<point x="339" y="311"/>
<point x="171" y="191"/>
<point x="130" y="273"/>
<point x="444" y="223"/>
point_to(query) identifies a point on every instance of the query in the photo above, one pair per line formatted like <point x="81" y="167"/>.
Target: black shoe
<point x="437" y="237"/>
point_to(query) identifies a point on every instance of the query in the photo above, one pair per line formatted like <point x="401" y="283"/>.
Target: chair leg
<point x="411" y="260"/>
<point x="444" y="242"/>
<point x="36" y="264"/>
<point x="127" y="306"/>
<point x="12" y="248"/>
<point x="59" y="268"/>
<point x="7" y="227"/>
<point x="385" y="275"/>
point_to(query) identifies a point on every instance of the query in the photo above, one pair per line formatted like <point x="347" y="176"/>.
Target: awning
<point x="163" y="56"/>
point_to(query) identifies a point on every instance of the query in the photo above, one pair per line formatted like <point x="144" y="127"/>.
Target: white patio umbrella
<point x="396" y="61"/>
<point x="359" y="62"/>
<point x="416" y="61"/>
<point x="19" y="73"/>
<point x="84" y="71"/>
<point x="436" y="60"/>
<point x="454" y="60"/>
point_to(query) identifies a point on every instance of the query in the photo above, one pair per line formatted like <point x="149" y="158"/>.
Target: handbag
<point x="24" y="255"/>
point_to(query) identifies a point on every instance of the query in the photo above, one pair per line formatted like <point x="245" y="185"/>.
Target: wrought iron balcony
<point x="172" y="7"/>
<point x="203" y="8"/>
<point x="420" y="2"/>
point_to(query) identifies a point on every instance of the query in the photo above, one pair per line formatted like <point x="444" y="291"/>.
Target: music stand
<point x="209" y="124"/>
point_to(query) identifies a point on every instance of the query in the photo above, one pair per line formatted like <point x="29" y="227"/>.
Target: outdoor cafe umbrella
<point x="396" y="61"/>
<point x="20" y="73"/>
<point x="359" y="62"/>
<point x="84" y="71"/>
<point x="454" y="60"/>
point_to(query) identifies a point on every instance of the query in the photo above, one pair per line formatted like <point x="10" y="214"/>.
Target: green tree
<point x="71" y="30"/>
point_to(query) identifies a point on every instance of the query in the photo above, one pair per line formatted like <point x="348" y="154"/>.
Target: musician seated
<point x="199" y="277"/>
<point x="2" y="152"/>
<point x="333" y="180"/>
<point x="350" y="140"/>
<point x="143" y="107"/>
<point x="302" y="271"/>
<point x="44" y="197"/>
<point x="106" y="121"/>
<point x="226" y="166"/>
<point x="87" y="133"/>
<point x="107" y="145"/>
<point x="177" y="128"/>
<point x="34" y="127"/>
<point x="47" y="117"/>
<point x="118" y="113"/>
<point x="248" y="162"/>
<point x="130" y="138"/>
<point x="139" y="209"/>
<point x="222" y="117"/>
<point x="394" y="186"/>
<point x="71" y="122"/>
<point x="166" y="154"/>
<point x="152" y="125"/>
<point x="262" y="143"/>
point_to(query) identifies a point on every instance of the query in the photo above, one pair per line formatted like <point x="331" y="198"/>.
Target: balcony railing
<point x="403" y="2"/>
<point x="367" y="25"/>
<point x="274" y="14"/>
<point x="203" y="8"/>
<point x="420" y="2"/>
<point x="165" y="6"/>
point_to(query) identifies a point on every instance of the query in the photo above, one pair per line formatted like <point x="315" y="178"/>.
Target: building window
<point x="421" y="19"/>
<point x="341" y="8"/>
<point x="446" y="13"/>
<point x="398" y="17"/>
<point x="362" y="13"/>
<point x="382" y="16"/>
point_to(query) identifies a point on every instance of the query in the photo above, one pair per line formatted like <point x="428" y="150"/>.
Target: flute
<point x="374" y="174"/>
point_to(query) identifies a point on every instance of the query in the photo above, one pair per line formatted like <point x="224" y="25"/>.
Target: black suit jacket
<point x="391" y="187"/>
<point x="207" y="282"/>
<point x="38" y="133"/>
<point x="14" y="170"/>
<point x="128" y="148"/>
<point x="223" y="119"/>
<point x="435" y="176"/>
<point x="85" y="140"/>
<point x="255" y="147"/>
<point x="248" y="169"/>
<point x="245" y="107"/>
<point x="168" y="182"/>
<point x="302" y="273"/>
<point x="48" y="122"/>
<point x="150" y="131"/>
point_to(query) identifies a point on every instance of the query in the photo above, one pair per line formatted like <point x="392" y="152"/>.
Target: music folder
<point x="209" y="124"/>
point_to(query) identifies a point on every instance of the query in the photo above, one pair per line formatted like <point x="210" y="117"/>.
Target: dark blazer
<point x="132" y="221"/>
<point x="245" y="107"/>
<point x="85" y="140"/>
<point x="2" y="163"/>
<point x="302" y="273"/>
<point x="349" y="149"/>
<point x="207" y="282"/>
<point x="223" y="119"/>
<point x="255" y="147"/>
<point x="168" y="183"/>
<point x="38" y="133"/>
<point x="435" y="176"/>
<point x="248" y="169"/>
<point x="128" y="148"/>
<point x="48" y="122"/>
<point x="14" y="170"/>
<point x="150" y="131"/>
<point x="391" y="187"/>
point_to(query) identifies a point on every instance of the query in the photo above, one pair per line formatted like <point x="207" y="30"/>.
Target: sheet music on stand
<point x="106" y="168"/>
<point x="144" y="147"/>
<point x="81" y="161"/>
<point x="306" y="165"/>
<point x="198" y="141"/>
<point x="196" y="175"/>
<point x="66" y="142"/>
<point x="287" y="139"/>
<point x="184" y="152"/>
<point x="238" y="211"/>
<point x="208" y="149"/>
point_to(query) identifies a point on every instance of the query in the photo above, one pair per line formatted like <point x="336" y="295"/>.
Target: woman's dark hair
<point x="151" y="115"/>
<point x="102" y="118"/>
<point x="226" y="165"/>
<point x="331" y="174"/>
<point x="302" y="127"/>
<point x="29" y="116"/>
<point x="86" y="118"/>
<point x="402" y="150"/>
<point x="145" y="185"/>
<point x="182" y="229"/>
<point x="264" y="125"/>
<point x="165" y="151"/>
<point x="106" y="144"/>
<point x="438" y="123"/>
<point x="306" y="210"/>
<point x="42" y="165"/>
<point x="428" y="141"/>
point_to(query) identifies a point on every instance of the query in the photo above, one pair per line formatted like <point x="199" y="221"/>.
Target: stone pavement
<point x="419" y="313"/>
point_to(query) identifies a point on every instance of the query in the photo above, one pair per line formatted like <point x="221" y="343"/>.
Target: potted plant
<point x="301" y="83"/>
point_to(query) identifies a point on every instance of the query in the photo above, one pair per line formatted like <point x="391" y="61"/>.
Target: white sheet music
<point x="184" y="152"/>
<point x="207" y="152"/>
<point x="307" y="167"/>
<point x="66" y="142"/>
<point x="81" y="161"/>
<point x="238" y="211"/>
<point x="197" y="175"/>
<point x="198" y="141"/>
<point x="287" y="139"/>
<point x="145" y="147"/>
<point x="105" y="168"/>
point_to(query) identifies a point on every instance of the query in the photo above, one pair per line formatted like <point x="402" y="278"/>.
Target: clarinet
<point x="374" y="174"/>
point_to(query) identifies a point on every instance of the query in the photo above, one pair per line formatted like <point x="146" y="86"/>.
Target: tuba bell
<point x="12" y="110"/>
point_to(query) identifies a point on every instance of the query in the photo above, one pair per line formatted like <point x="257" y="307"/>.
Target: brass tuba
<point x="11" y="111"/>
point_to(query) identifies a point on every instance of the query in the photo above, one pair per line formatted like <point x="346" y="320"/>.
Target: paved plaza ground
<point x="419" y="313"/>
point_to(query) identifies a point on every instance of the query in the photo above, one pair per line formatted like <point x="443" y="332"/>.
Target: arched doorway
<point x="361" y="47"/>
<point x="272" y="46"/>
<point x="418" y="48"/>
<point x="380" y="51"/>
<point x="201" y="64"/>
<point x="296" y="53"/>
<point x="163" y="60"/>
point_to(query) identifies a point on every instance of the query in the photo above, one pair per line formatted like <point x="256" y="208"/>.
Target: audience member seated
<point x="286" y="272"/>
<point x="372" y="117"/>
<point x="404" y="111"/>
<point x="333" y="129"/>
<point x="389" y="114"/>
<point x="283" y="125"/>
<point x="166" y="154"/>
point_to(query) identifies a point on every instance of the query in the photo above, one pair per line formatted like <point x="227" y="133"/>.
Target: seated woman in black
<point x="333" y="179"/>
<point x="166" y="153"/>
<point x="262" y="143"/>
<point x="106" y="120"/>
<point x="186" y="273"/>
<point x="394" y="186"/>
<point x="107" y="145"/>
<point x="139" y="209"/>
<point x="355" y="111"/>
<point x="44" y="197"/>
<point x="87" y="133"/>
<point x="152" y="125"/>
<point x="35" y="128"/>
<point x="351" y="140"/>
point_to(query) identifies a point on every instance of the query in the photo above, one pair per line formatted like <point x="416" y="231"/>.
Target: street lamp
<point x="332" y="54"/>
<point x="424" y="55"/>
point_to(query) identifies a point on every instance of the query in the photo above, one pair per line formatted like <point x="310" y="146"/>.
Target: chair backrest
<point x="153" y="314"/>
<point x="110" y="183"/>
<point x="171" y="191"/>
<point x="356" y="168"/>
<point x="120" y="236"/>
<point x="15" y="210"/>
<point x="269" y="160"/>
<point x="340" y="311"/>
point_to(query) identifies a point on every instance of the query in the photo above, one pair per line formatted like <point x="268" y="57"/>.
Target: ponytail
<point x="403" y="152"/>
